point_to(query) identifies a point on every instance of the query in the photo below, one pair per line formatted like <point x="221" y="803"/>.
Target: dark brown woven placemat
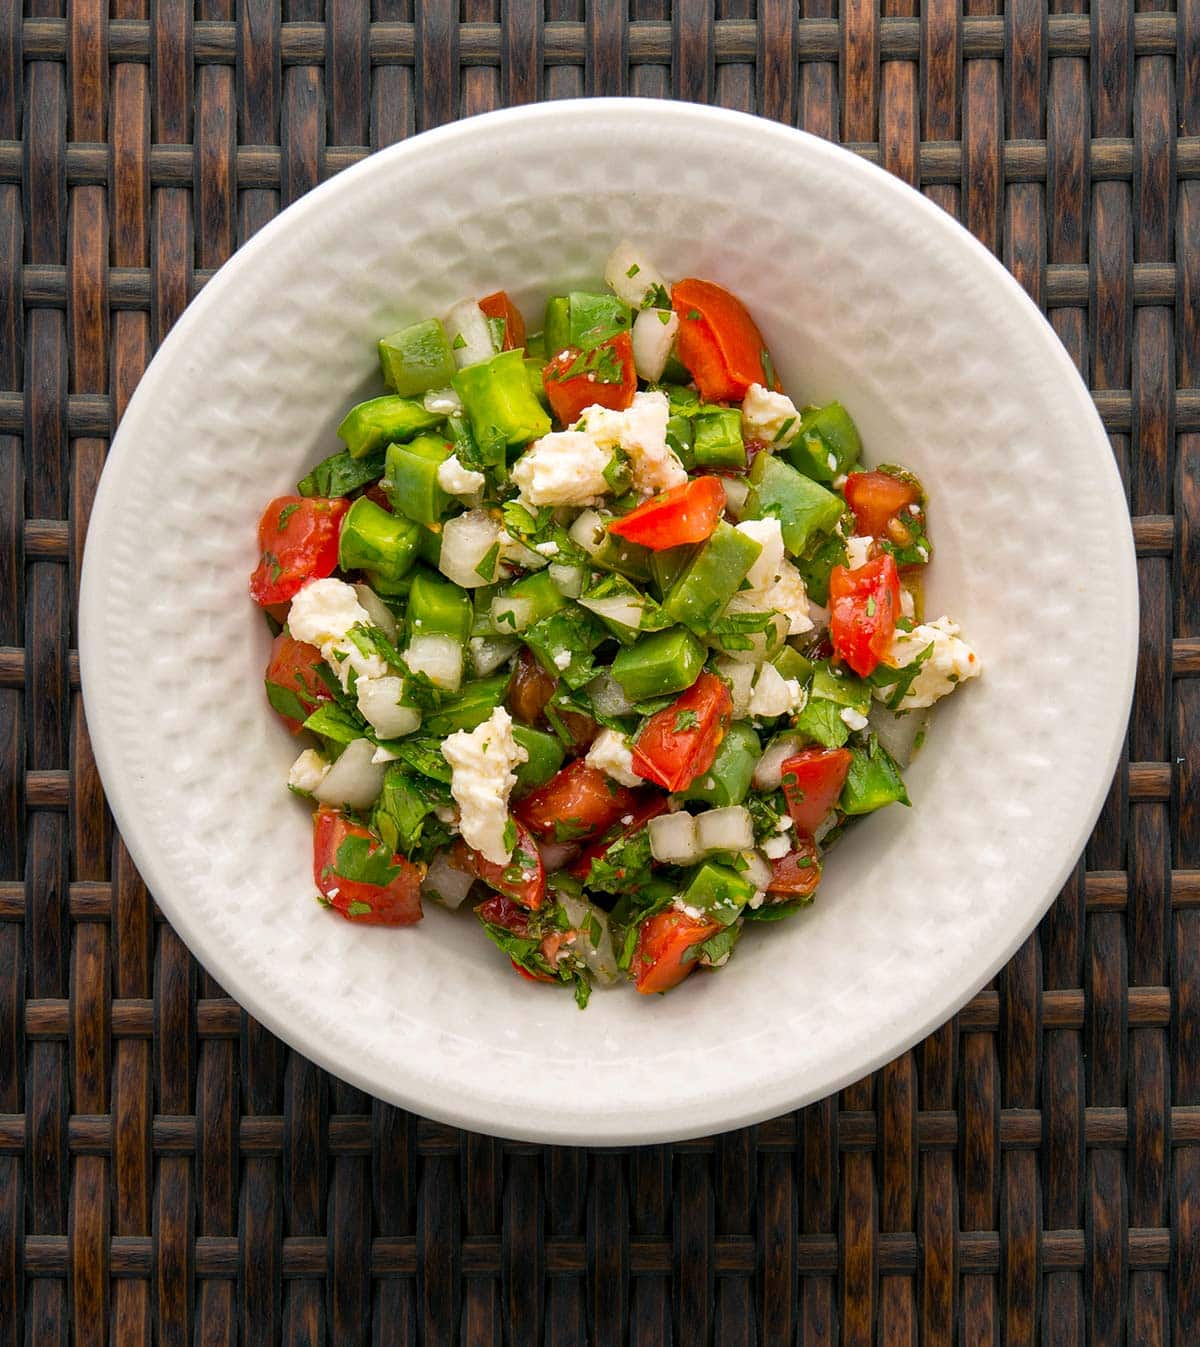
<point x="168" y="1170"/>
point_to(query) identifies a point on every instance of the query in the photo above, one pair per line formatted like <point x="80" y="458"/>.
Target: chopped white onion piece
<point x="556" y="854"/>
<point x="488" y="653"/>
<point x="439" y="658"/>
<point x="673" y="838"/>
<point x="736" y="490"/>
<point x="442" y="402"/>
<point x="769" y="771"/>
<point x="446" y="882"/>
<point x="466" y="540"/>
<point x="624" y="609"/>
<point x="758" y="869"/>
<point x="598" y="954"/>
<point x="568" y="579"/>
<point x="608" y="696"/>
<point x="898" y="731"/>
<point x="740" y="677"/>
<point x="818" y="616"/>
<point x="653" y="336"/>
<point x="588" y="532"/>
<point x="469" y="333"/>
<point x="353" y="780"/>
<point x="511" y="612"/>
<point x="630" y="274"/>
<point x="727" y="829"/>
<point x="378" y="611"/>
<point x="378" y="700"/>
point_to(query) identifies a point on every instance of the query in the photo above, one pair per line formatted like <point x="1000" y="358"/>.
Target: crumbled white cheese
<point x="322" y="614"/>
<point x="695" y="913"/>
<point x="456" y="480"/>
<point x="776" y="847"/>
<point x="950" y="662"/>
<point x="783" y="823"/>
<point x="858" y="551"/>
<point x="775" y="584"/>
<point x="757" y="901"/>
<point x="481" y="762"/>
<point x="308" y="771"/>
<point x="547" y="549"/>
<point x="775" y="695"/>
<point x="565" y="467"/>
<point x="641" y="431"/>
<point x="562" y="659"/>
<point x="907" y="606"/>
<point x="610" y="754"/>
<point x="770" y="417"/>
<point x="854" y="719"/>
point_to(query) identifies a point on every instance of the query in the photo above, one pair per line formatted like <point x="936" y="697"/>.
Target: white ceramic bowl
<point x="864" y="292"/>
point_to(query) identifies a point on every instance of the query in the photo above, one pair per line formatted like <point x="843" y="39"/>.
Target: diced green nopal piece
<point x="438" y="607"/>
<point x="373" y="539"/>
<point x="545" y="756"/>
<point x="381" y="421"/>
<point x="815" y="568"/>
<point x="667" y="565"/>
<point x="631" y="560"/>
<point x="594" y="316"/>
<point x="717" y="438"/>
<point x="417" y="358"/>
<point x="499" y="402"/>
<point x="537" y="589"/>
<point x="468" y="708"/>
<point x="727" y="781"/>
<point x="718" y="892"/>
<point x="659" y="665"/>
<point x="563" y="645"/>
<point x="845" y="689"/>
<point x="792" y="664"/>
<point x="873" y="781"/>
<point x="534" y="369"/>
<point x="556" y="326"/>
<point x="711" y="578"/>
<point x="804" y="508"/>
<point x="827" y="443"/>
<point x="411" y="474"/>
<point x="681" y="436"/>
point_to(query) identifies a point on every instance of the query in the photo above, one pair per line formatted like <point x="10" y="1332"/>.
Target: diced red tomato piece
<point x="812" y="782"/>
<point x="684" y="514"/>
<point x="877" y="498"/>
<point x="678" y="744"/>
<point x="523" y="879"/>
<point x="500" y="306"/>
<point x="298" y="539"/>
<point x="799" y="872"/>
<point x="662" y="941"/>
<point x="649" y="808"/>
<point x="578" y="803"/>
<point x="863" y="607"/>
<point x="718" y="342"/>
<point x="604" y="376"/>
<point x="502" y="911"/>
<point x="397" y="902"/>
<point x="293" y="669"/>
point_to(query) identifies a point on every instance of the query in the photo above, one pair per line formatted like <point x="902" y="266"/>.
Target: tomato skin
<point x="812" y="782"/>
<point x="799" y="872"/>
<point x="673" y="758"/>
<point x="662" y="942"/>
<point x="570" y="396"/>
<point x="642" y="815"/>
<point x="579" y="803"/>
<point x="499" y="305"/>
<point x="397" y="904"/>
<point x="529" y="689"/>
<point x="305" y="548"/>
<point x="718" y="342"/>
<point x="876" y="499"/>
<point x="863" y="607"/>
<point x="293" y="665"/>
<point x="684" y="514"/>
<point x="529" y="890"/>
<point x="502" y="911"/>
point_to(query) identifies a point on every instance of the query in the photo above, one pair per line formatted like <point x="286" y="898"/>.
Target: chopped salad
<point x="596" y="630"/>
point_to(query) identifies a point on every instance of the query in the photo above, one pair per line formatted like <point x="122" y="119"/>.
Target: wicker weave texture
<point x="169" y="1172"/>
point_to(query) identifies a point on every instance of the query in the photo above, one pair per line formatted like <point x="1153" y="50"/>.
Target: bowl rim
<point x="729" y="1109"/>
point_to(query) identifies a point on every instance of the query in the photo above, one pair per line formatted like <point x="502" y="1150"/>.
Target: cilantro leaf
<point x="365" y="860"/>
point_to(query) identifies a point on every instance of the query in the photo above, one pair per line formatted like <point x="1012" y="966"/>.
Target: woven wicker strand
<point x="169" y="1171"/>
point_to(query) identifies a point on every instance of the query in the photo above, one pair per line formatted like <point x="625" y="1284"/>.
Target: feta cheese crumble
<point x="610" y="753"/>
<point x="775" y="695"/>
<point x="481" y="762"/>
<point x="323" y="614"/>
<point x="565" y="467"/>
<point x="775" y="584"/>
<point x="641" y="431"/>
<point x="308" y="771"/>
<point x="456" y="480"/>
<point x="770" y="417"/>
<point x="950" y="662"/>
<point x="775" y="848"/>
<point x="854" y="719"/>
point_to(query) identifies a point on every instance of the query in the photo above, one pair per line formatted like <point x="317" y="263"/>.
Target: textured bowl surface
<point x="864" y="292"/>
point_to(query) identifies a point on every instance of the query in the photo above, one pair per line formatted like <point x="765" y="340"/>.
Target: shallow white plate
<point x="865" y="292"/>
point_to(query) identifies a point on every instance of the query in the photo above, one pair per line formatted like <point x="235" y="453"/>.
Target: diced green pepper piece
<point x="412" y="478"/>
<point x="381" y="421"/>
<point x="594" y="317"/>
<point x="827" y="443"/>
<point x="537" y="386"/>
<point x="556" y="326"/>
<point x="683" y="401"/>
<point x="792" y="664"/>
<point x="625" y="558"/>
<point x="680" y="438"/>
<point x="468" y="708"/>
<point x="538" y="591"/>
<point x="563" y="644"/>
<point x="711" y="578"/>
<point x="872" y="781"/>
<point x="821" y="720"/>
<point x="438" y="607"/>
<point x="340" y="474"/>
<point x="545" y="756"/>
<point x="373" y="539"/>
<point x="803" y="507"/>
<point x="665" y="566"/>
<point x="718" y="892"/>
<point x="717" y="438"/>
<point x="844" y="688"/>
<point x="659" y="665"/>
<point x="815" y="568"/>
<point x="498" y="400"/>
<point x="624" y="610"/>
<point x="417" y="358"/>
<point x="429" y="549"/>
<point x="727" y="781"/>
